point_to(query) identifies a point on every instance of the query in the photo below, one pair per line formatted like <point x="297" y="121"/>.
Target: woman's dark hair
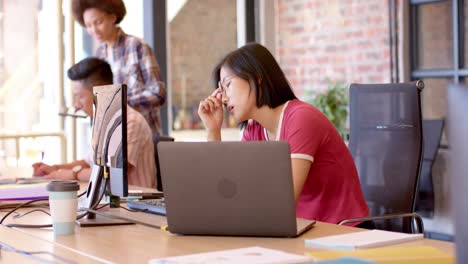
<point x="91" y="71"/>
<point x="254" y="62"/>
<point x="115" y="7"/>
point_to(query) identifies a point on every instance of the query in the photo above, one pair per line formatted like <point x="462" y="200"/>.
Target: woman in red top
<point x="255" y="91"/>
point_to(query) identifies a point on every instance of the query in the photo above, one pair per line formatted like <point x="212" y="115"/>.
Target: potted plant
<point x="333" y="102"/>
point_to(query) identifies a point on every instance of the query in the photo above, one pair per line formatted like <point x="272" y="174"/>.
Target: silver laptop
<point x="229" y="189"/>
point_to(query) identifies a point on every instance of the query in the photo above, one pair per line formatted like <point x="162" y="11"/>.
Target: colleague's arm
<point x="84" y="174"/>
<point x="68" y="174"/>
<point x="42" y="169"/>
<point x="300" y="171"/>
<point x="153" y="92"/>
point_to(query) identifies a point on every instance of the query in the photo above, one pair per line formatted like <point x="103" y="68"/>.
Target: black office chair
<point x="156" y="140"/>
<point x="432" y="134"/>
<point x="386" y="143"/>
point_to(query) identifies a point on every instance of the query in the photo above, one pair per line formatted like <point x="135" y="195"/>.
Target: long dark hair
<point x="254" y="62"/>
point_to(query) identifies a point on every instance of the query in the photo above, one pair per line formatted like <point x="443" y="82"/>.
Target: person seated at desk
<point x="141" y="164"/>
<point x="251" y="85"/>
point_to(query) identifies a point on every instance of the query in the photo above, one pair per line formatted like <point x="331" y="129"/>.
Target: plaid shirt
<point x="134" y="64"/>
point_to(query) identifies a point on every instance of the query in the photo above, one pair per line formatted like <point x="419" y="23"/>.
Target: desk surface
<point x="24" y="242"/>
<point x="138" y="243"/>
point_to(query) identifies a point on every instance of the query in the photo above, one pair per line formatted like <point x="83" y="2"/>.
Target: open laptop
<point x="229" y="188"/>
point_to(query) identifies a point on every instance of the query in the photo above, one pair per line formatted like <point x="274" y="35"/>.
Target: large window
<point x="439" y="48"/>
<point x="200" y="33"/>
<point x="39" y="41"/>
<point x="29" y="70"/>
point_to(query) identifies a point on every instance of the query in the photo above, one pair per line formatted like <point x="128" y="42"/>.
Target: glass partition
<point x="201" y="32"/>
<point x="435" y="36"/>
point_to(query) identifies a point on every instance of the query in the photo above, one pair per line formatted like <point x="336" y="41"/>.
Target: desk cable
<point x="87" y="211"/>
<point x="18" y="215"/>
<point x="30" y="203"/>
<point x="22" y="205"/>
<point x="2" y="210"/>
<point x="45" y="225"/>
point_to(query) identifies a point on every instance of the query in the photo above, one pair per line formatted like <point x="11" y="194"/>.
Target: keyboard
<point x="154" y="206"/>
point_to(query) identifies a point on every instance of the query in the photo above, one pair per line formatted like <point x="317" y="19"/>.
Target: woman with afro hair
<point x="131" y="59"/>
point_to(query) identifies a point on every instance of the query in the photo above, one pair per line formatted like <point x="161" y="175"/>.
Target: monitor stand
<point x="96" y="187"/>
<point x="93" y="219"/>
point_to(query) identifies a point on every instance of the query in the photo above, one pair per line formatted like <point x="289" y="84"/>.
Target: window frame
<point x="458" y="70"/>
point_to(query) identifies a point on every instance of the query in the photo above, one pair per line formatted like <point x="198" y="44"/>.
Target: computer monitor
<point x="458" y="142"/>
<point x="108" y="145"/>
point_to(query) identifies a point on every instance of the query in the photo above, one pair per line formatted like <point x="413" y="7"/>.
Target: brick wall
<point x="335" y="39"/>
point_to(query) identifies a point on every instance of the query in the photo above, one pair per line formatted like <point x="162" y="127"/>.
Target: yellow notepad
<point x="390" y="255"/>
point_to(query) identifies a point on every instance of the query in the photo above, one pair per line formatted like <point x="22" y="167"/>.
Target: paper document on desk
<point x="242" y="255"/>
<point x="363" y="239"/>
<point x="23" y="191"/>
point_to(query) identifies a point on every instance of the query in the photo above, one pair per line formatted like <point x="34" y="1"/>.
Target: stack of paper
<point x="364" y="239"/>
<point x="251" y="255"/>
<point x="388" y="255"/>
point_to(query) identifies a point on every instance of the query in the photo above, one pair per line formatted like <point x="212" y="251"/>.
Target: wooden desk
<point x="138" y="243"/>
<point x="24" y="242"/>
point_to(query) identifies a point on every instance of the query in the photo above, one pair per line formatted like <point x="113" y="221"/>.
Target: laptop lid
<point x="228" y="188"/>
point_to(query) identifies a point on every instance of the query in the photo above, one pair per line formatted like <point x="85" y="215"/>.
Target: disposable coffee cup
<point x="63" y="204"/>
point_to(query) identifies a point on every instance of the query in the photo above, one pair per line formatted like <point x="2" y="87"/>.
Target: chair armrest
<point x="419" y="222"/>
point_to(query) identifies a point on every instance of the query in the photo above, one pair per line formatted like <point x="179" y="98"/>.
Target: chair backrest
<point x="458" y="166"/>
<point x="386" y="144"/>
<point x="432" y="130"/>
<point x="156" y="140"/>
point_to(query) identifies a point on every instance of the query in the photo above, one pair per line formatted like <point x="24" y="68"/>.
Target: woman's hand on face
<point x="210" y="111"/>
